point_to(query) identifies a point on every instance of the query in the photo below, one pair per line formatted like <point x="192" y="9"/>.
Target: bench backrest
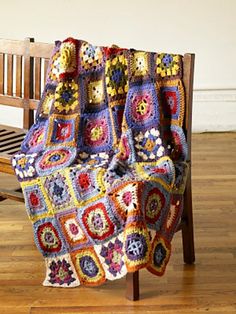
<point x="23" y="66"/>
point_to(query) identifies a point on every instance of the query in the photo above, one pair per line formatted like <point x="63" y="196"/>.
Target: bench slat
<point x="37" y="78"/>
<point x="11" y="101"/>
<point x="13" y="146"/>
<point x="1" y="73"/>
<point x="5" y="144"/>
<point x="19" y="76"/>
<point x="13" y="136"/>
<point x="16" y="47"/>
<point x="46" y="62"/>
<point x="10" y="152"/>
<point x="10" y="75"/>
<point x="14" y="195"/>
<point x="5" y="133"/>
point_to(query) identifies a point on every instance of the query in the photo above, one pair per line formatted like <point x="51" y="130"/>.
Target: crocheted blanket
<point x="103" y="167"/>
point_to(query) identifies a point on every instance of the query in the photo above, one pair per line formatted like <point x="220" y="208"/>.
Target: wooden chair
<point x="22" y="89"/>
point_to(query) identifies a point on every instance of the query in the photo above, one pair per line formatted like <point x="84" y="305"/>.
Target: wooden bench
<point x="23" y="66"/>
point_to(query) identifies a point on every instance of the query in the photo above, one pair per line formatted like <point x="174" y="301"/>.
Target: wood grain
<point x="209" y="286"/>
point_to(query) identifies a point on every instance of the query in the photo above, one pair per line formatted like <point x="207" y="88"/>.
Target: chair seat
<point x="10" y="142"/>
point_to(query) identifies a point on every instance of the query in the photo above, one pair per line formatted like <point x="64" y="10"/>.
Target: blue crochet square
<point x="34" y="200"/>
<point x="142" y="107"/>
<point x="58" y="191"/>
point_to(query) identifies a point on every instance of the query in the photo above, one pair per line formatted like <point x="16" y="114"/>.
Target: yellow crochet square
<point x="168" y="65"/>
<point x="67" y="57"/>
<point x="88" y="267"/>
<point x="139" y="64"/>
<point x="137" y="246"/>
<point x="95" y="92"/>
<point x="47" y="102"/>
<point x="155" y="171"/>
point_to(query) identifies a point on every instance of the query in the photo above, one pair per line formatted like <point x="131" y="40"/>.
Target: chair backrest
<point x="23" y="66"/>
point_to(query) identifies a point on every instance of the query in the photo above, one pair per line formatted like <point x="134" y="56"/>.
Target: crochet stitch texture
<point x="103" y="168"/>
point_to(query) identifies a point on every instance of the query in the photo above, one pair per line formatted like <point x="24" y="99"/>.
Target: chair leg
<point x="187" y="231"/>
<point x="132" y="286"/>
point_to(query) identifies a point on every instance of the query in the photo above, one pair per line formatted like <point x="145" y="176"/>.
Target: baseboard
<point x="214" y="110"/>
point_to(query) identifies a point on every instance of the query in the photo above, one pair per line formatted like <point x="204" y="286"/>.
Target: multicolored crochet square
<point x="142" y="107"/>
<point x="46" y="102"/>
<point x="87" y="184"/>
<point x="96" y="132"/>
<point x="62" y="130"/>
<point x="66" y="97"/>
<point x="36" y="137"/>
<point x="88" y="267"/>
<point x="93" y="96"/>
<point x="48" y="238"/>
<point x="35" y="200"/>
<point x="139" y="66"/>
<point x="117" y="77"/>
<point x="168" y="66"/>
<point x="103" y="168"/>
<point x="171" y="94"/>
<point x="72" y="230"/>
<point x="99" y="221"/>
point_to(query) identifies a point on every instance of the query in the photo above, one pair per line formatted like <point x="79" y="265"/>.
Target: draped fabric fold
<point x="103" y="168"/>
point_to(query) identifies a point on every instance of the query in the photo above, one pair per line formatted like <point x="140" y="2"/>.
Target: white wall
<point x="205" y="27"/>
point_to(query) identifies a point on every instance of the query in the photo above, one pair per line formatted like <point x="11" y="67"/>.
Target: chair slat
<point x="1" y="73"/>
<point x="19" y="76"/>
<point x="37" y="78"/>
<point x="10" y="75"/>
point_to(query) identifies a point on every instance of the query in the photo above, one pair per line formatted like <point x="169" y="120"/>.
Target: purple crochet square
<point x="96" y="132"/>
<point x="142" y="107"/>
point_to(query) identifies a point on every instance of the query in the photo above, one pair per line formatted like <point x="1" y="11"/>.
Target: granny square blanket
<point x="103" y="168"/>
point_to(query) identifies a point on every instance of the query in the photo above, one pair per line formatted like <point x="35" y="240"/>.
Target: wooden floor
<point x="207" y="287"/>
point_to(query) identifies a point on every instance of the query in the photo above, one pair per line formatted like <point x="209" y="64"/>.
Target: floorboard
<point x="207" y="287"/>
